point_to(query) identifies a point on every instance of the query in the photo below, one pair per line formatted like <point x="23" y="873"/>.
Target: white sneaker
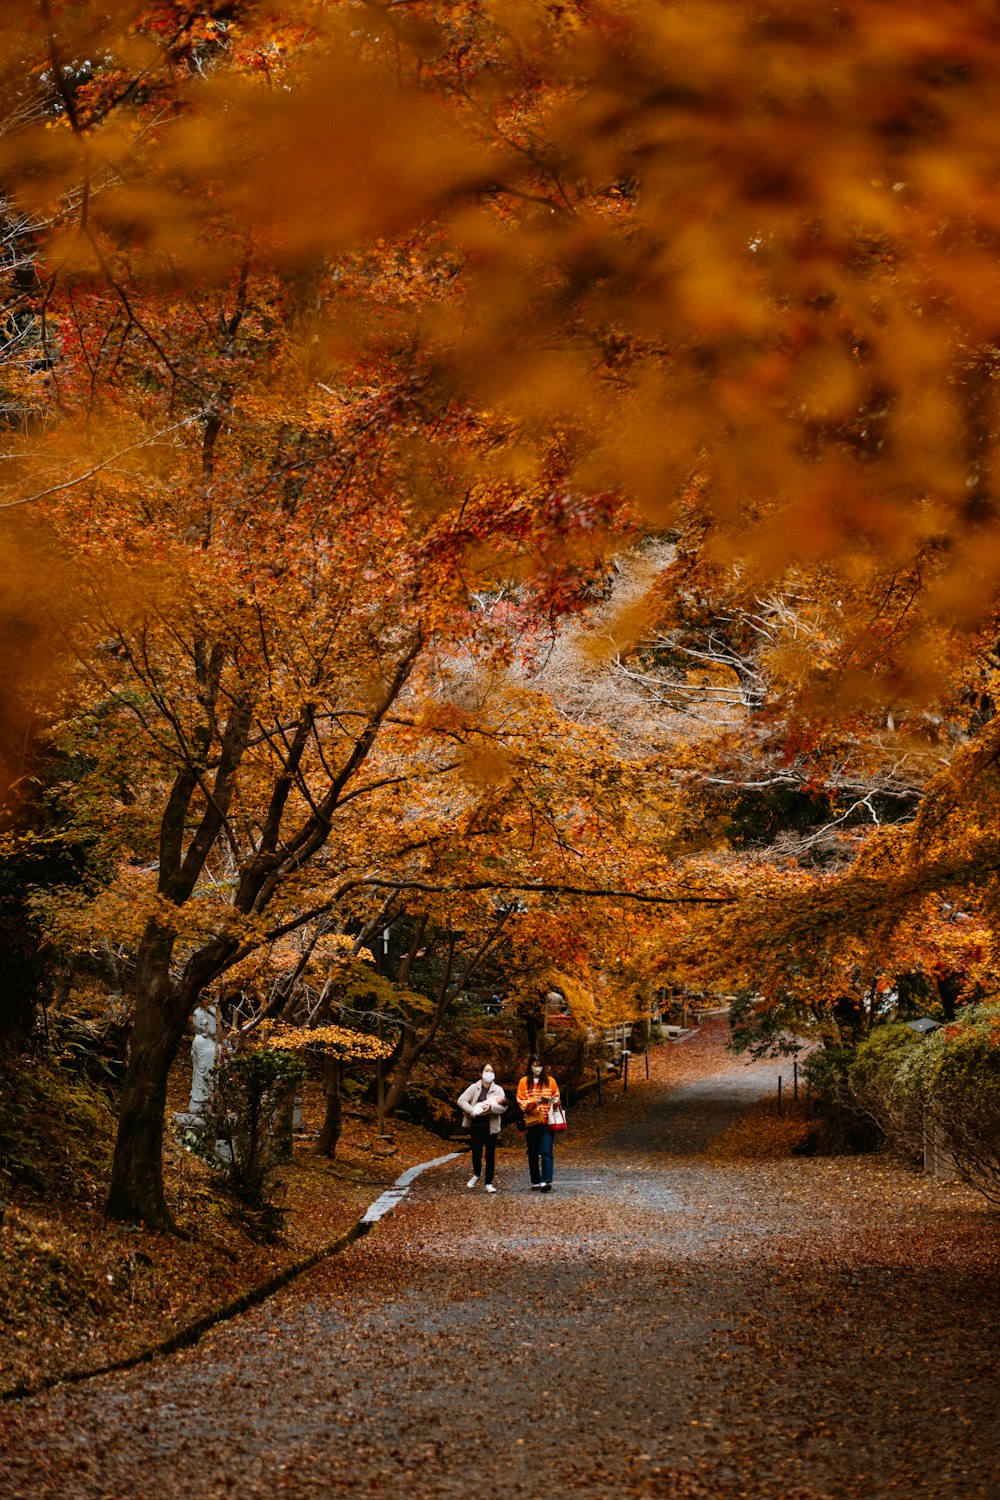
<point x="490" y="1188"/>
<point x="472" y="1182"/>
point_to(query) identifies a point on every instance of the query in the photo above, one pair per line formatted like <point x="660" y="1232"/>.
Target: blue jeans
<point x="538" y="1139"/>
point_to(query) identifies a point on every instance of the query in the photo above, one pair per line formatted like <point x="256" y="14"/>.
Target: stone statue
<point x="203" y="1058"/>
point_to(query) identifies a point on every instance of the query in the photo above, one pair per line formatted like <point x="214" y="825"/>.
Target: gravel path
<point x="660" y="1325"/>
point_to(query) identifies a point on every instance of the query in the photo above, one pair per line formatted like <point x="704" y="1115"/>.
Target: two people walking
<point x="483" y="1105"/>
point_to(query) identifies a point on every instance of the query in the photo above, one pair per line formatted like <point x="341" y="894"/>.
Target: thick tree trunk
<point x="330" y="1134"/>
<point x="136" y="1192"/>
<point x="162" y="1007"/>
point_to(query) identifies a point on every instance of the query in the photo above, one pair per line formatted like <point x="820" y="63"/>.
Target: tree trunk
<point x="161" y="1014"/>
<point x="949" y="989"/>
<point x="282" y="1123"/>
<point x="408" y="1057"/>
<point x="330" y="1134"/>
<point x="388" y="1066"/>
<point x="136" y="1192"/>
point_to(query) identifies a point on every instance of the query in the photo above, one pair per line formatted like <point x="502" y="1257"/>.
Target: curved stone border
<point x="252" y="1298"/>
<point x="399" y="1190"/>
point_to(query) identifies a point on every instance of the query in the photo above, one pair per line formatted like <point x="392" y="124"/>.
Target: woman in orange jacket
<point x="536" y="1093"/>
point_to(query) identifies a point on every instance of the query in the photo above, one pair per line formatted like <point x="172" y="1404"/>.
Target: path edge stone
<point x="253" y="1297"/>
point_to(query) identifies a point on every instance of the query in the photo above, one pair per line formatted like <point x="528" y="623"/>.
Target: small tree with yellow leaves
<point x="336" y="1044"/>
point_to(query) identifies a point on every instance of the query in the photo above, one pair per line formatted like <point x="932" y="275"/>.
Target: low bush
<point x="877" y="1082"/>
<point x="954" y="1077"/>
<point x="843" y="1125"/>
<point x="91" y="1049"/>
<point x="241" y="1137"/>
<point x="56" y="1130"/>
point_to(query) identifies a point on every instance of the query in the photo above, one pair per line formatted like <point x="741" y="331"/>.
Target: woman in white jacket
<point x="482" y="1104"/>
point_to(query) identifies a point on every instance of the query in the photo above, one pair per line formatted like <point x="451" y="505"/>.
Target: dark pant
<point x="481" y="1138"/>
<point x="539" y="1140"/>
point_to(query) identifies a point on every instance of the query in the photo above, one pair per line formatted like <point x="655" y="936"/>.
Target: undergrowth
<point x="56" y="1130"/>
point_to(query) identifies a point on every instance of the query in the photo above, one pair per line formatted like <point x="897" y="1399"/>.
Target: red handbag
<point x="557" y="1117"/>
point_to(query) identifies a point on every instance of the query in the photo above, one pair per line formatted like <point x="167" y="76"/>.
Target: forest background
<point x="496" y="498"/>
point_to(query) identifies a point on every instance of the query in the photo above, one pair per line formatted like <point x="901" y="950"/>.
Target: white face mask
<point x="537" y="1072"/>
<point x="488" y="1075"/>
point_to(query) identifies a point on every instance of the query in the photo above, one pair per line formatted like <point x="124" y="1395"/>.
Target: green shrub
<point x="954" y="1075"/>
<point x="880" y="1090"/>
<point x="250" y="1088"/>
<point x="844" y="1126"/>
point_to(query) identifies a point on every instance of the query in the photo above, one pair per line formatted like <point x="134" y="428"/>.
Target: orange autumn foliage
<point x="347" y="346"/>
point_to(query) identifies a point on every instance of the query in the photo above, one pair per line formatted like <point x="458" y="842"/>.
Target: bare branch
<point x="106" y="463"/>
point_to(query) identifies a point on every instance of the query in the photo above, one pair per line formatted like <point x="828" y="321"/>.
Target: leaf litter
<point x="691" y="1322"/>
